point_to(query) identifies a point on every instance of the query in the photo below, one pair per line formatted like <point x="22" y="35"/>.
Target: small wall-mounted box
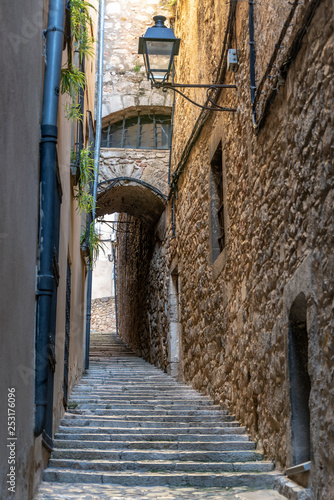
<point x="232" y="60"/>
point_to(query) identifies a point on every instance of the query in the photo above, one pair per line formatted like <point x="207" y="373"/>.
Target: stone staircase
<point x="130" y="424"/>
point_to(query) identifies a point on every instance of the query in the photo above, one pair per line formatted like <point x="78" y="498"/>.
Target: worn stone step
<point x="140" y="404"/>
<point x="214" y="431"/>
<point x="154" y="445"/>
<point x="123" y="390"/>
<point x="127" y="408"/>
<point x="122" y="396"/>
<point x="142" y="379"/>
<point x="130" y="424"/>
<point x="133" y="394"/>
<point x="110" y="436"/>
<point x="155" y="412"/>
<point x="203" y="479"/>
<point x="94" y="420"/>
<point x="160" y="466"/>
<point x="201" y="456"/>
<point x="138" y="417"/>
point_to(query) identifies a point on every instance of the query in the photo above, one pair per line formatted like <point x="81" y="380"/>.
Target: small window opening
<point x="217" y="204"/>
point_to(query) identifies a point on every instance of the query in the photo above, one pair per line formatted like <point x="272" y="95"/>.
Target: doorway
<point x="300" y="385"/>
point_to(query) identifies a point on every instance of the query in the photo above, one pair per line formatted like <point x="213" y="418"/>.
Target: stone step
<point x="160" y="466"/>
<point x="202" y="479"/>
<point x="144" y="390"/>
<point x="77" y="405"/>
<point x="129" y="424"/>
<point x="124" y="391"/>
<point x="198" y="456"/>
<point x="110" y="436"/>
<point x="154" y="445"/>
<point x="160" y="431"/>
<point x="78" y="420"/>
<point x="139" y="417"/>
<point x="138" y="412"/>
<point x="142" y="403"/>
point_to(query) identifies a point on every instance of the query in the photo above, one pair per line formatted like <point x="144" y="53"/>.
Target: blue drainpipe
<point x="48" y="164"/>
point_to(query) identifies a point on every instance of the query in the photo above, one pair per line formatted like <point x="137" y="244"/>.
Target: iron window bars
<point x="139" y="132"/>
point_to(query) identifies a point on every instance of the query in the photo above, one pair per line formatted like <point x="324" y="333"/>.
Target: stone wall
<point x="278" y="197"/>
<point x="142" y="295"/>
<point x="133" y="258"/>
<point x="148" y="165"/>
<point x="103" y="317"/>
<point x="124" y="81"/>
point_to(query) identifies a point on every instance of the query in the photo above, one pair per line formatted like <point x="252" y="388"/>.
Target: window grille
<point x="139" y="132"/>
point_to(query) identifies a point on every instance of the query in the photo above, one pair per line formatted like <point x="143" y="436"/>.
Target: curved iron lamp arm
<point x="215" y="107"/>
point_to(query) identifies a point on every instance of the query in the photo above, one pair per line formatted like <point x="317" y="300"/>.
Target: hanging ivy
<point x="72" y="79"/>
<point x="72" y="82"/>
<point x="91" y="240"/>
<point x="85" y="199"/>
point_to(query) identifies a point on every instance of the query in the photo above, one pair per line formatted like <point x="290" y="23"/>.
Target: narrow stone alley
<point x="132" y="431"/>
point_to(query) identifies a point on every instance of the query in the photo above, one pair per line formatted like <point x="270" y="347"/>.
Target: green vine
<point x="81" y="27"/>
<point x="91" y="238"/>
<point x="72" y="80"/>
<point x="85" y="199"/>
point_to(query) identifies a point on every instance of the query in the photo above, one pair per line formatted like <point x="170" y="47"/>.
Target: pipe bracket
<point x="45" y="284"/>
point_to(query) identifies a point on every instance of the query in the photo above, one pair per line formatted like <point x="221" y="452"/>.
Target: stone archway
<point x="132" y="196"/>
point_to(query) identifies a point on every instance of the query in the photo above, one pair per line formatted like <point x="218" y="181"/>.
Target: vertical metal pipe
<point x="99" y="101"/>
<point x="88" y="316"/>
<point x="48" y="165"/>
<point x="171" y="137"/>
<point x="96" y="163"/>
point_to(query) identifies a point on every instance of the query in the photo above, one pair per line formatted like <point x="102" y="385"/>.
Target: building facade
<point x="25" y="55"/>
<point x="231" y="288"/>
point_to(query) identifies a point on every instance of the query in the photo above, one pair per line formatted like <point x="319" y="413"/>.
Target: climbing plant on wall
<point x="72" y="78"/>
<point x="80" y="40"/>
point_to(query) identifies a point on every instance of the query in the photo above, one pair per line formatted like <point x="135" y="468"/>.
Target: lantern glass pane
<point x="159" y="56"/>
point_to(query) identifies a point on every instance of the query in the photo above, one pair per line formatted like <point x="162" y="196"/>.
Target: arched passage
<point x="131" y="196"/>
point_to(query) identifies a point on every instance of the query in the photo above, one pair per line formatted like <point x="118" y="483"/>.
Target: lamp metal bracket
<point x="209" y="86"/>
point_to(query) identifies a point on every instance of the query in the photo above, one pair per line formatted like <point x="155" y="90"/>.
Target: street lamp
<point x="158" y="47"/>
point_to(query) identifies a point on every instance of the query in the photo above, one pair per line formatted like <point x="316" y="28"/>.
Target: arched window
<point x="139" y="132"/>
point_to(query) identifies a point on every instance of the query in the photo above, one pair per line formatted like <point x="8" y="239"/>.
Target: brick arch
<point x="131" y="196"/>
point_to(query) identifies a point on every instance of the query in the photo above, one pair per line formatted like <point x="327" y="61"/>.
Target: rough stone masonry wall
<point x="279" y="193"/>
<point x="133" y="258"/>
<point x="124" y="81"/>
<point x="279" y="203"/>
<point x="142" y="291"/>
<point x="148" y="165"/>
<point x="103" y="317"/>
